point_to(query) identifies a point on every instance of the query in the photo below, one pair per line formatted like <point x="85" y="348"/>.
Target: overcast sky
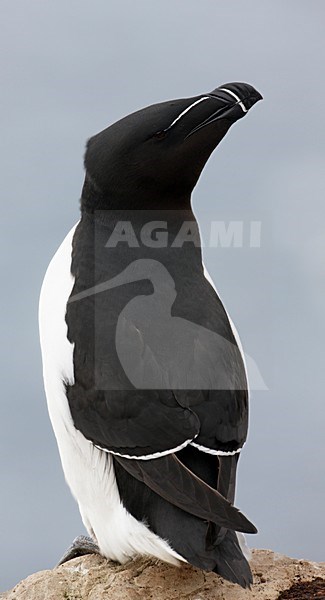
<point x="68" y="70"/>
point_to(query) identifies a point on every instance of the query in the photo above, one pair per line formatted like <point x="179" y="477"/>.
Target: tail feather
<point x="230" y="561"/>
<point x="173" y="481"/>
<point x="201" y="541"/>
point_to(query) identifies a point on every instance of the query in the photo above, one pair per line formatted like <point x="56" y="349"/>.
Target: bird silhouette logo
<point x="160" y="351"/>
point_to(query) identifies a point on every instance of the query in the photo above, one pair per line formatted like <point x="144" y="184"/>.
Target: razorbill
<point x="144" y="376"/>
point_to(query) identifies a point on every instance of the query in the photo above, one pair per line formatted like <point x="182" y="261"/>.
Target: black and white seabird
<point x="143" y="369"/>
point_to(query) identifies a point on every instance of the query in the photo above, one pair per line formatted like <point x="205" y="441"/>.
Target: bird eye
<point x="160" y="135"/>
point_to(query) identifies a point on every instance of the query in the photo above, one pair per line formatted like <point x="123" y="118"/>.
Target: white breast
<point x="89" y="471"/>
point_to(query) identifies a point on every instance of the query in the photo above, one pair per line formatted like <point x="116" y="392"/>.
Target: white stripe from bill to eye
<point x="241" y="104"/>
<point x="148" y="456"/>
<point x="215" y="452"/>
<point x="187" y="109"/>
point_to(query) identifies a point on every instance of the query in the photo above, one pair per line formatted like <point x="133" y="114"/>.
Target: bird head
<point x="154" y="157"/>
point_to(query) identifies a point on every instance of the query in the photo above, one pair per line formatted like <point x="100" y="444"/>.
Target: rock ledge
<point x="93" y="578"/>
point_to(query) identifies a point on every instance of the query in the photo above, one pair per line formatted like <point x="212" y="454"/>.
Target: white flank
<point x="89" y="471"/>
<point x="241" y="104"/>
<point x="243" y="545"/>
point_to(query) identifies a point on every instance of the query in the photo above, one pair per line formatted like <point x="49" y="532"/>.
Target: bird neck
<point x="94" y="199"/>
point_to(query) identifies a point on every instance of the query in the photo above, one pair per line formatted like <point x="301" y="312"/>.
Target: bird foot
<point x="80" y="546"/>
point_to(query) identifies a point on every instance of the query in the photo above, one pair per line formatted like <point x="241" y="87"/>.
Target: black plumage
<point x="141" y="169"/>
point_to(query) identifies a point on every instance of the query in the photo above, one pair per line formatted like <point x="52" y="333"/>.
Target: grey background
<point x="71" y="68"/>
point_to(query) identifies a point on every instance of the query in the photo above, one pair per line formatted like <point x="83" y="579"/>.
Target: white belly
<point x="89" y="471"/>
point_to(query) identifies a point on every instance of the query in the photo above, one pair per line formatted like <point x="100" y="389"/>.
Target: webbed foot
<point x="80" y="546"/>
